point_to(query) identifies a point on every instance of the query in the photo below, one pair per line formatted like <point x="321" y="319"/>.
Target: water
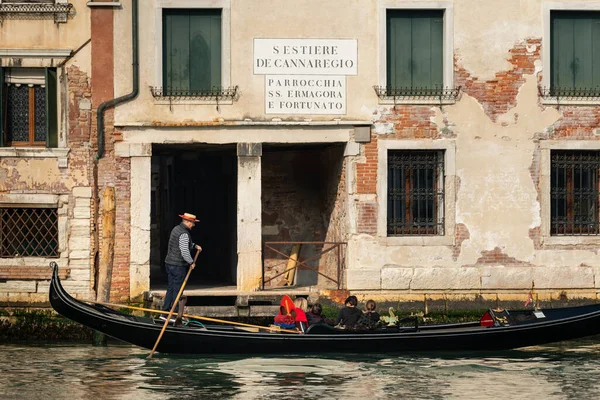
<point x="569" y="370"/>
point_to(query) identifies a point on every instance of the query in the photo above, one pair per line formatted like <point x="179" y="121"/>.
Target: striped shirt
<point x="184" y="246"/>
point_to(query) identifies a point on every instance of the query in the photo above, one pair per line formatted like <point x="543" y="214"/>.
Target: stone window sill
<point x="431" y="101"/>
<point x="557" y="101"/>
<point x="32" y="152"/>
<point x="417" y="241"/>
<point x="570" y="240"/>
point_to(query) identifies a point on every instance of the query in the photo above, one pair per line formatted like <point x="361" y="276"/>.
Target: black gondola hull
<point x="560" y="324"/>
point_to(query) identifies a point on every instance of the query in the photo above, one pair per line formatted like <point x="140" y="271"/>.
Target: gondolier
<point x="179" y="256"/>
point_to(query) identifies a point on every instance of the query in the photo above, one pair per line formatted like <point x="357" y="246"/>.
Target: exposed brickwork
<point x="535" y="234"/>
<point x="499" y="95"/>
<point x="411" y="122"/>
<point x="367" y="218"/>
<point x="301" y="189"/>
<point x="79" y="119"/>
<point x="366" y="173"/>
<point x="116" y="171"/>
<point x="497" y="257"/>
<point x="576" y="123"/>
<point x="462" y="234"/>
<point x="78" y="173"/>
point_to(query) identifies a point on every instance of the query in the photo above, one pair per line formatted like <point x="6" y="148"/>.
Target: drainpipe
<point x="136" y="81"/>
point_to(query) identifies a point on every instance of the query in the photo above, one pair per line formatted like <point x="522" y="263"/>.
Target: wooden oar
<point x="222" y="321"/>
<point x="174" y="304"/>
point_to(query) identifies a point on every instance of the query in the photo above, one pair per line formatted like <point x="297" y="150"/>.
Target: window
<point x="574" y="192"/>
<point x="191" y="50"/>
<point x="415" y="49"/>
<point x="28" y="107"/>
<point x="28" y="232"/>
<point x="575" y="53"/>
<point x="415" y="198"/>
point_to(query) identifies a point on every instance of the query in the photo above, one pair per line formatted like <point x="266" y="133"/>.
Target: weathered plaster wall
<point x="498" y="125"/>
<point x="355" y="19"/>
<point x="60" y="177"/>
<point x="498" y="128"/>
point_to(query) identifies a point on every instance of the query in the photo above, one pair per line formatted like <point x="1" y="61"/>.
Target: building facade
<point x="449" y="147"/>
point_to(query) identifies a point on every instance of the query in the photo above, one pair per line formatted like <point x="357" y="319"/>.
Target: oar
<point x="222" y="321"/>
<point x="174" y="305"/>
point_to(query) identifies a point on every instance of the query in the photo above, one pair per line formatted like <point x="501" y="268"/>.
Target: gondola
<point x="497" y="330"/>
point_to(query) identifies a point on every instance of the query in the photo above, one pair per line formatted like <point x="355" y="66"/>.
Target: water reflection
<point x="564" y="371"/>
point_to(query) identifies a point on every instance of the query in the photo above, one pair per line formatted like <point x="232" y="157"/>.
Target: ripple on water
<point x="565" y="371"/>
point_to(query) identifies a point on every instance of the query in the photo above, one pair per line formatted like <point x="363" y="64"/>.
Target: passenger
<point x="300" y="307"/>
<point x="314" y="316"/>
<point x="370" y="317"/>
<point x="286" y="318"/>
<point x="349" y="314"/>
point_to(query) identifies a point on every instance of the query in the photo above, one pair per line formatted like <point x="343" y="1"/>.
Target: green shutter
<point x="415" y="40"/>
<point x="192" y="49"/>
<point x="2" y="123"/>
<point x="51" y="108"/>
<point x="575" y="58"/>
<point x="176" y="52"/>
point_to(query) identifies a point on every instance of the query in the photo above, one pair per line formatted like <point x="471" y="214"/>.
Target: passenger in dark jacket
<point x="314" y="315"/>
<point x="370" y="317"/>
<point x="349" y="315"/>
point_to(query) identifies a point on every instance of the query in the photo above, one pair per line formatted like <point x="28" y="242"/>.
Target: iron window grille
<point x="570" y="94"/>
<point x="415" y="192"/>
<point x="215" y="93"/>
<point x="44" y="9"/>
<point x="28" y="232"/>
<point x="26" y="115"/>
<point x="574" y="193"/>
<point x="421" y="93"/>
<point x="28" y="107"/>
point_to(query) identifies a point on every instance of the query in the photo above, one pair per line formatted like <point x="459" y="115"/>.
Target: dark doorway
<point x="200" y="181"/>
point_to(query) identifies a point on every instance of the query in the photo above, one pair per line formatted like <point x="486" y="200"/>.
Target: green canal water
<point x="568" y="370"/>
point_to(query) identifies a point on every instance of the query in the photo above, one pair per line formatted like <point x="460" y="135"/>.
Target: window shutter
<point x="51" y="108"/>
<point x="427" y="38"/>
<point x="176" y="51"/>
<point x="415" y="44"/>
<point x="575" y="50"/>
<point x="192" y="49"/>
<point x="205" y="49"/>
<point x="1" y="107"/>
<point x="399" y="38"/>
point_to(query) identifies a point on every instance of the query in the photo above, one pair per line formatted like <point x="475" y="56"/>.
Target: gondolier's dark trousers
<point x="176" y="275"/>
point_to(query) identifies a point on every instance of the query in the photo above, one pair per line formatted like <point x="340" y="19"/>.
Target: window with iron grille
<point x="28" y="107"/>
<point x="415" y="192"/>
<point x="28" y="232"/>
<point x="574" y="192"/>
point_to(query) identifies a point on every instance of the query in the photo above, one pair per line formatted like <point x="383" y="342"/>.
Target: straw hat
<point x="189" y="217"/>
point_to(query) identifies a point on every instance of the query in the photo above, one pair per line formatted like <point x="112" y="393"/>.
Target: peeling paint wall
<point x="499" y="126"/>
<point x="57" y="178"/>
<point x="496" y="138"/>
